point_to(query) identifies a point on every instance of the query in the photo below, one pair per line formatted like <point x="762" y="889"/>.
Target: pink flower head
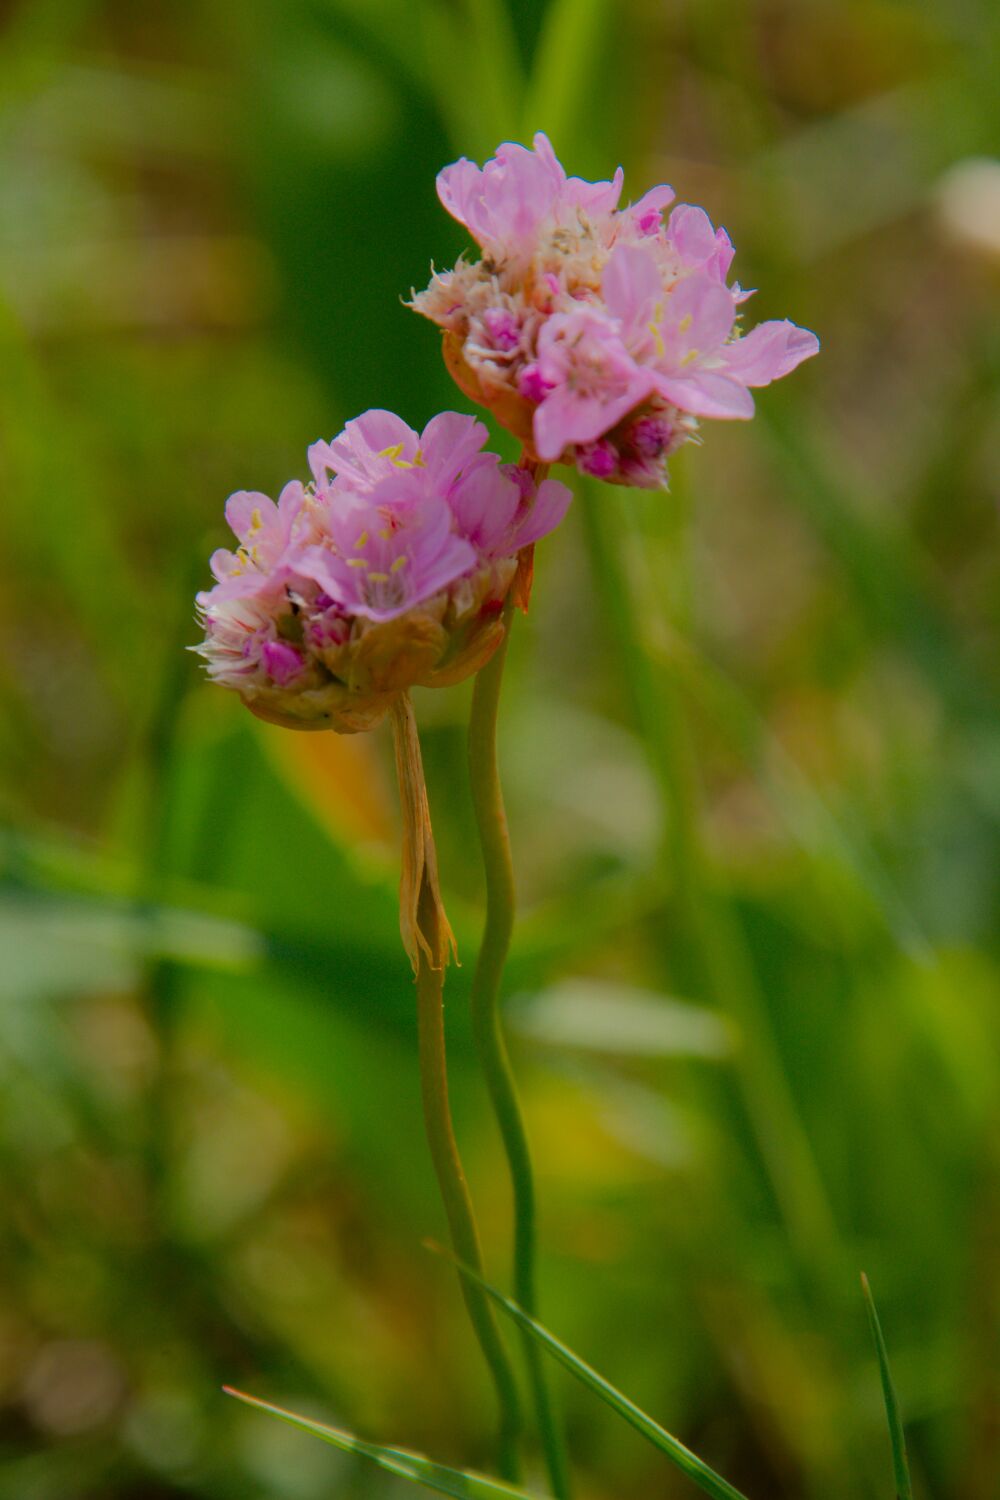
<point x="583" y="318"/>
<point x="390" y="569"/>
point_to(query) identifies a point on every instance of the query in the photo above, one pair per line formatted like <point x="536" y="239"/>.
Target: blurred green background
<point x="750" y="741"/>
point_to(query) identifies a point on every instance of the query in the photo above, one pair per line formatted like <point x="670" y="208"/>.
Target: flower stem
<point x="488" y="1034"/>
<point x="429" y="956"/>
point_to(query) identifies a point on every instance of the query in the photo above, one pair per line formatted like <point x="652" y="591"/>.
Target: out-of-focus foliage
<point x="750" y="741"/>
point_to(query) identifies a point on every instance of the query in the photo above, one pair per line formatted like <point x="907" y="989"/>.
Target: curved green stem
<point x="491" y="819"/>
<point x="429" y="957"/>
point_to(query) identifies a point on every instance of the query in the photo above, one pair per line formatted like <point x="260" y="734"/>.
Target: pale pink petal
<point x="551" y="502"/>
<point x="564" y="418"/>
<point x="359" y="453"/>
<point x="631" y="285"/>
<point x="647" y="214"/>
<point x="692" y="234"/>
<point x="555" y="424"/>
<point x="719" y="262"/>
<point x="247" y="512"/>
<point x="448" y="443"/>
<point x="223" y="563"/>
<point x="290" y="501"/>
<point x="593" y="198"/>
<point x="769" y="351"/>
<point x="544" y="151"/>
<point x="699" y="317"/>
<point x="459" y="187"/>
<point x="706" y="393"/>
<point x="456" y="556"/>
<point x="321" y="461"/>
<point x="484" y="503"/>
<point x="518" y="190"/>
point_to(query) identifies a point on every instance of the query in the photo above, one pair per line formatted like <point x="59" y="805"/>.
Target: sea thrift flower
<point x="599" y="335"/>
<point x="389" y="569"/>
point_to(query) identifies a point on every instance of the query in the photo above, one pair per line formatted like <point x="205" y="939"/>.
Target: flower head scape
<point x="598" y="335"/>
<point x="390" y="569"/>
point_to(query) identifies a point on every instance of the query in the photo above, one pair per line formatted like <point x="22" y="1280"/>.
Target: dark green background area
<point x="750" y="742"/>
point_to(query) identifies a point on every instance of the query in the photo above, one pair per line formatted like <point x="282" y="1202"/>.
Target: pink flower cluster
<point x="389" y="569"/>
<point x="598" y="334"/>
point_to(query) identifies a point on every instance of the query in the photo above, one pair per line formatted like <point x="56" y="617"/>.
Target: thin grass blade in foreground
<point x="900" y="1462"/>
<point x="460" y="1483"/>
<point x="689" y="1463"/>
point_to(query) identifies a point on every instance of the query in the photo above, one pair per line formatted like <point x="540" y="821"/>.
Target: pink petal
<point x="565" y="418"/>
<point x="551" y="502"/>
<point x="359" y="453"/>
<point x="556" y="422"/>
<point x="594" y="198"/>
<point x="222" y="563"/>
<point x="240" y="510"/>
<point x="692" y="234"/>
<point x="484" y="504"/>
<point x="321" y="461"/>
<point x="706" y="393"/>
<point x="459" y="187"/>
<point x="720" y="261"/>
<point x="291" y="501"/>
<point x="631" y="285"/>
<point x="519" y="189"/>
<point x="699" y="317"/>
<point x="457" y="556"/>
<point x="543" y="149"/>
<point x="647" y="214"/>
<point x="769" y="351"/>
<point x="448" y="443"/>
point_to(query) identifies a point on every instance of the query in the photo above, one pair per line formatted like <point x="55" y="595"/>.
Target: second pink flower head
<point x="389" y="569"/>
<point x="598" y="334"/>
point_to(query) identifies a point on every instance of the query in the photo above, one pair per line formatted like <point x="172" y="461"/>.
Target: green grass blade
<point x="460" y="1483"/>
<point x="689" y="1463"/>
<point x="900" y="1463"/>
<point x="567" y="57"/>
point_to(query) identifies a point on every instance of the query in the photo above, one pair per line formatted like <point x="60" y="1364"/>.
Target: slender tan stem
<point x="428" y="938"/>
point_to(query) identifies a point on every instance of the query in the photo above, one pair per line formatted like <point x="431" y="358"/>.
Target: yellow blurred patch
<point x="341" y="779"/>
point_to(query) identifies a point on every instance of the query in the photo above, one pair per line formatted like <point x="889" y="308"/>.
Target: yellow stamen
<point x="393" y="455"/>
<point x="356" y="562"/>
<point x="685" y="323"/>
<point x="690" y="357"/>
<point x="399" y="563"/>
<point x="256" y="520"/>
<point x="362" y="540"/>
<point x="379" y="577"/>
